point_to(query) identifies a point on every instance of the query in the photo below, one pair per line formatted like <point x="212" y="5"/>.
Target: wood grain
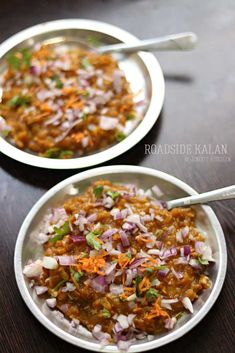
<point x="199" y="109"/>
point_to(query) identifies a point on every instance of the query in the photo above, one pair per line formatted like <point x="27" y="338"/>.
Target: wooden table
<point x="199" y="109"/>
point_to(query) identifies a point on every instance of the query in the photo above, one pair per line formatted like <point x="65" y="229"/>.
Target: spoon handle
<point x="180" y="41"/>
<point x="220" y="194"/>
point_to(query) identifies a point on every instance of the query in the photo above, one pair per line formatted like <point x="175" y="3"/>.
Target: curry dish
<point x="62" y="102"/>
<point x="120" y="264"/>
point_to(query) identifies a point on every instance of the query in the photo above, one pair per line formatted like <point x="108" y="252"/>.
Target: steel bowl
<point x="172" y="187"/>
<point x="142" y="70"/>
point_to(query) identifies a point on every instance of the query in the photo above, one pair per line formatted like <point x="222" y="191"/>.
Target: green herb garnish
<point x="59" y="284"/>
<point x="85" y="63"/>
<point x="120" y="136"/>
<point x="97" y="191"/>
<point x="60" y="232"/>
<point x="19" y="101"/>
<point x="58" y="82"/>
<point x="19" y="59"/>
<point x="56" y="152"/>
<point x="128" y="254"/>
<point x="152" y="293"/>
<point x="130" y="116"/>
<point x="203" y="261"/>
<point x="83" y="255"/>
<point x="65" y="154"/>
<point x="113" y="194"/>
<point x="76" y="275"/>
<point x="138" y="279"/>
<point x="92" y="241"/>
<point x="149" y="270"/>
<point x="106" y="313"/>
<point x="160" y="267"/>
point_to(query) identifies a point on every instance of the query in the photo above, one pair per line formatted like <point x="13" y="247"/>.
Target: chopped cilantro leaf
<point x="149" y="269"/>
<point x="56" y="152"/>
<point x="58" y="82"/>
<point x="60" y="232"/>
<point x="138" y="279"/>
<point x="120" y="136"/>
<point x="19" y="101"/>
<point x="59" y="284"/>
<point x="19" y="59"/>
<point x="152" y="293"/>
<point x="65" y="154"/>
<point x="203" y="261"/>
<point x="97" y="191"/>
<point x="92" y="241"/>
<point x="106" y="313"/>
<point x="130" y="116"/>
<point x="113" y="194"/>
<point x="76" y="275"/>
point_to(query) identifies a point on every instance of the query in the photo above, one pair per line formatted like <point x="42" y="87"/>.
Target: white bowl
<point x="173" y="188"/>
<point x="142" y="70"/>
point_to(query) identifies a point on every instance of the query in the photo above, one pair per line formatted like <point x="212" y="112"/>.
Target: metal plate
<point x="142" y="70"/>
<point x="145" y="178"/>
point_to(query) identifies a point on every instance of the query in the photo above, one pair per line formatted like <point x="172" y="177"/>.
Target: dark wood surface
<point x="199" y="109"/>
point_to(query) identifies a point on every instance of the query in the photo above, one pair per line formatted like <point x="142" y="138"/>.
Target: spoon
<point x="214" y="195"/>
<point x="180" y="41"/>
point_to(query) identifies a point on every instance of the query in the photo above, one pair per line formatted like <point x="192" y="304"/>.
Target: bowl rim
<point x="155" y="105"/>
<point x="140" y="347"/>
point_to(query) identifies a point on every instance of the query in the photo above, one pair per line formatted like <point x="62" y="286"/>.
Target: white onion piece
<point x="157" y="191"/>
<point x="108" y="123"/>
<point x="131" y="297"/>
<point x="51" y="302"/>
<point x="33" y="270"/>
<point x="69" y="287"/>
<point x="116" y="288"/>
<point x="50" y="263"/>
<point x="187" y="304"/>
<point x="123" y="321"/>
<point x="170" y="323"/>
<point x="40" y="289"/>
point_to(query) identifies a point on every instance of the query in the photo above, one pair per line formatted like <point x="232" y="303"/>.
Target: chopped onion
<point x="77" y="238"/>
<point x="50" y="263"/>
<point x="137" y="262"/>
<point x="157" y="191"/>
<point x="204" y="250"/>
<point x="69" y="287"/>
<point x="179" y="236"/>
<point x="123" y="321"/>
<point x="65" y="260"/>
<point x="92" y="218"/>
<point x="102" y="337"/>
<point x="116" y="288"/>
<point x="110" y="268"/>
<point x="168" y="253"/>
<point x="131" y="297"/>
<point x="99" y="284"/>
<point x="124" y="238"/>
<point x="33" y="270"/>
<point x="51" y="302"/>
<point x="40" y="289"/>
<point x="186" y="250"/>
<point x="187" y="304"/>
<point x="178" y="275"/>
<point x="108" y="123"/>
<point x="170" y="323"/>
